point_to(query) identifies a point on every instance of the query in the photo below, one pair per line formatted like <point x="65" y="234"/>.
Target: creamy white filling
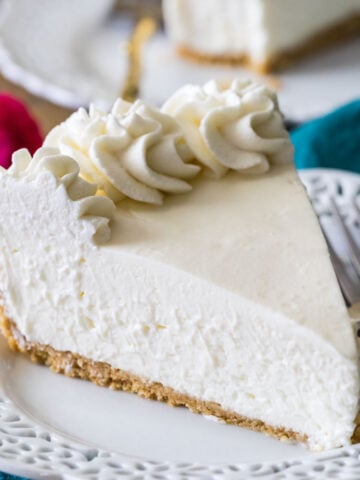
<point x="287" y="24"/>
<point x="190" y="295"/>
<point x="257" y="28"/>
<point x="208" y="26"/>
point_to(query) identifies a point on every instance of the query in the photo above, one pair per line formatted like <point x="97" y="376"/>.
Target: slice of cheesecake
<point x="222" y="299"/>
<point x="266" y="34"/>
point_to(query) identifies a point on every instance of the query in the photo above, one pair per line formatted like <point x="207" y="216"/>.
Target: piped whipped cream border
<point x="141" y="152"/>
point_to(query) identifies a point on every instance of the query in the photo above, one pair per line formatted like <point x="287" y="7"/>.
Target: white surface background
<point x="74" y="53"/>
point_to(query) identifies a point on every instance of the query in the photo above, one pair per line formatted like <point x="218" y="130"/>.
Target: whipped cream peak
<point x="134" y="151"/>
<point x="63" y="171"/>
<point x="236" y="126"/>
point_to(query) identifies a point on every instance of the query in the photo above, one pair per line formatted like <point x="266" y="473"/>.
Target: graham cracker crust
<point x="346" y="29"/>
<point x="102" y="374"/>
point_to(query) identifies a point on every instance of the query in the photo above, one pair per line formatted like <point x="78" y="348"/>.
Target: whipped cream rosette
<point x="237" y="126"/>
<point x="134" y="151"/>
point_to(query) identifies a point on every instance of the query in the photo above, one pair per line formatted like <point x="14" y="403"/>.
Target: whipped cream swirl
<point x="237" y="126"/>
<point x="134" y="151"/>
<point x="94" y="212"/>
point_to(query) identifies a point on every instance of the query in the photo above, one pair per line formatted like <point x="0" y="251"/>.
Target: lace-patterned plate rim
<point x="29" y="449"/>
<point x="324" y="184"/>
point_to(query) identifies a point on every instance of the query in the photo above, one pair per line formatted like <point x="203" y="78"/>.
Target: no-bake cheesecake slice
<point x="265" y="34"/>
<point x="211" y="286"/>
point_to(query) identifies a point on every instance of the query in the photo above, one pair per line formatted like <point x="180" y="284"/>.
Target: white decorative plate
<point x="52" y="427"/>
<point x="74" y="52"/>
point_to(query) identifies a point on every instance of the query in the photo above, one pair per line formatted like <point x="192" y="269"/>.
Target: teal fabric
<point x="5" y="476"/>
<point x="332" y="141"/>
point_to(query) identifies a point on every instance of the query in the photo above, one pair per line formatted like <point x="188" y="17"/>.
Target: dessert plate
<point x="59" y="428"/>
<point x="75" y="53"/>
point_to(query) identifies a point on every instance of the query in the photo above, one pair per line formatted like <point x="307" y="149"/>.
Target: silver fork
<point x="347" y="271"/>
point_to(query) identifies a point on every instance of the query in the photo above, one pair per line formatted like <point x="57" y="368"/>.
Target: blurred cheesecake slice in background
<point x="265" y="34"/>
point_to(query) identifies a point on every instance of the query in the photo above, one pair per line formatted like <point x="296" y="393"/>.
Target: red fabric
<point x="18" y="129"/>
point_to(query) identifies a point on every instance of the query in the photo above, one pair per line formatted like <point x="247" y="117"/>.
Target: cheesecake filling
<point x="139" y="303"/>
<point x="209" y="26"/>
<point x="291" y="25"/>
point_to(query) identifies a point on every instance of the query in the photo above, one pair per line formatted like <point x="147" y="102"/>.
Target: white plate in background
<point x="74" y="53"/>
